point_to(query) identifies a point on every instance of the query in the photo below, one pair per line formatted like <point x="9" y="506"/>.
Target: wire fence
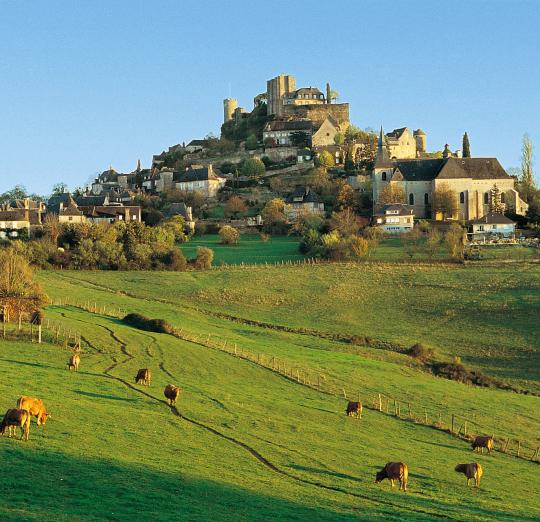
<point x="436" y="417"/>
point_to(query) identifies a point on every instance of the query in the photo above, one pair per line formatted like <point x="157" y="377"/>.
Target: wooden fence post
<point x="465" y="428"/>
<point x="519" y="448"/>
<point x="344" y="394"/>
<point x="395" y="407"/>
<point x="425" y="416"/>
<point x="506" y="445"/>
<point x="235" y="349"/>
<point x="410" y="412"/>
<point x="453" y="423"/>
<point x="380" y="402"/>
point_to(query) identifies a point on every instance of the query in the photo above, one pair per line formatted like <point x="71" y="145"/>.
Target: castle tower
<point x="229" y="106"/>
<point x="276" y="89"/>
<point x="421" y="141"/>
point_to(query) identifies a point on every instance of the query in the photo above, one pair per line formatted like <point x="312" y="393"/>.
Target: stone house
<point x="303" y="200"/>
<point x="111" y="213"/>
<point x="325" y="134"/>
<point x="402" y="143"/>
<point x="199" y="179"/>
<point x="395" y="218"/>
<point x="492" y="224"/>
<point x="71" y="213"/>
<point x="13" y="223"/>
<point x="470" y="179"/>
<point x="196" y="146"/>
<point x="280" y="131"/>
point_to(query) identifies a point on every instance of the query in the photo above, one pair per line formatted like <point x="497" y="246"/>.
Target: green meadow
<point x="248" y="444"/>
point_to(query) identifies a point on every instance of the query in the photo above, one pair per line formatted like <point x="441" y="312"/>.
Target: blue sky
<point x="90" y="83"/>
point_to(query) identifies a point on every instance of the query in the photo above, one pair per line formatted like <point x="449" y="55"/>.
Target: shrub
<point x="420" y="352"/>
<point x="200" y="228"/>
<point x="229" y="235"/>
<point x="204" y="258"/>
<point x="150" y="325"/>
<point x="264" y="237"/>
<point x="176" y="260"/>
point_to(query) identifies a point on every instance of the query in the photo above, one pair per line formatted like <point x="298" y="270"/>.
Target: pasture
<point x="250" y="250"/>
<point x="246" y="443"/>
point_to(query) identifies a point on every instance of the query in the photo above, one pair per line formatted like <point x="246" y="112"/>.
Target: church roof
<point x="427" y="169"/>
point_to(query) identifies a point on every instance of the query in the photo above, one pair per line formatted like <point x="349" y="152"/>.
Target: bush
<point x="420" y="352"/>
<point x="264" y="237"/>
<point x="150" y="325"/>
<point x="204" y="258"/>
<point x="200" y="228"/>
<point x="176" y="260"/>
<point x="229" y="235"/>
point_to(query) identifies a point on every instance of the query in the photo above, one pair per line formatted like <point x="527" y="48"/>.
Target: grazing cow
<point x="74" y="361"/>
<point x="35" y="407"/>
<point x="16" y="417"/>
<point x="482" y="442"/>
<point x="472" y="471"/>
<point x="394" y="471"/>
<point x="171" y="393"/>
<point x="354" y="408"/>
<point x="144" y="376"/>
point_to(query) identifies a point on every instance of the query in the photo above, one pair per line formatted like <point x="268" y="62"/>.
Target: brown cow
<point x="394" y="471"/>
<point x="472" y="471"/>
<point x="144" y="376"/>
<point x="35" y="407"/>
<point x="16" y="417"/>
<point x="354" y="408"/>
<point x="171" y="393"/>
<point x="482" y="442"/>
<point x="74" y="361"/>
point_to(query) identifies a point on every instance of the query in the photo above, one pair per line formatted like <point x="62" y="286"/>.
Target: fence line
<point x="456" y="425"/>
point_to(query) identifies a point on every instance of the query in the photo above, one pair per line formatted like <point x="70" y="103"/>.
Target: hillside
<point x="245" y="443"/>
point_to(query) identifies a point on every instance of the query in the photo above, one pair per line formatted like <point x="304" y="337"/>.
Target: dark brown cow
<point x="144" y="376"/>
<point x="74" y="361"/>
<point x="171" y="393"/>
<point x="482" y="442"/>
<point x="16" y="417"/>
<point x="35" y="407"/>
<point x="472" y="471"/>
<point x="394" y="471"/>
<point x="354" y="408"/>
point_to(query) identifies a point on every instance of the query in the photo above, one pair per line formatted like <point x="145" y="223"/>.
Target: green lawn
<point x="250" y="250"/>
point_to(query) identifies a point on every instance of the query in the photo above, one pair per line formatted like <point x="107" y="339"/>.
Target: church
<point x="471" y="179"/>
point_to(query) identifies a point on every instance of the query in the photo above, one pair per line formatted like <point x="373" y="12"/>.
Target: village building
<point x="14" y="223"/>
<point x="111" y="213"/>
<point x="181" y="209"/>
<point x="395" y="218"/>
<point x="199" y="179"/>
<point x="470" y="179"/>
<point x="402" y="143"/>
<point x="303" y="201"/>
<point x="279" y="133"/>
<point x="492" y="224"/>
<point x="70" y="213"/>
<point x="196" y="146"/>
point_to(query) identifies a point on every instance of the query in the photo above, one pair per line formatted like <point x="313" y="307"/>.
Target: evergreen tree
<point x="466" y="146"/>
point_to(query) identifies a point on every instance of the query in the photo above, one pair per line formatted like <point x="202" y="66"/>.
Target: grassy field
<point x="244" y="444"/>
<point x="250" y="250"/>
<point x="249" y="444"/>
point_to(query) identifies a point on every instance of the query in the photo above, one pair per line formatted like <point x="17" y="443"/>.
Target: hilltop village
<point x="292" y="163"/>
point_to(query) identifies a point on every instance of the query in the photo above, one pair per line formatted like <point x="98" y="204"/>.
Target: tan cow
<point x="472" y="471"/>
<point x="74" y="361"/>
<point x="171" y="393"/>
<point x="482" y="442"/>
<point x="354" y="408"/>
<point x="394" y="471"/>
<point x="16" y="417"/>
<point x="144" y="376"/>
<point x="35" y="407"/>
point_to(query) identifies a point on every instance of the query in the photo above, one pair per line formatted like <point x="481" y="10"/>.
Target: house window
<point x="462" y="197"/>
<point x="426" y="199"/>
<point x="411" y="199"/>
<point x="383" y="177"/>
<point x="481" y="228"/>
<point x="486" y="198"/>
<point x="503" y="197"/>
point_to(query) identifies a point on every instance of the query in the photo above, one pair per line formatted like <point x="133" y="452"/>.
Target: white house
<point x="395" y="218"/>
<point x="491" y="224"/>
<point x="303" y="201"/>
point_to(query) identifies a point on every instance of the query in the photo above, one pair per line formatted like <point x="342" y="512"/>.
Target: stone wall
<point x="318" y="113"/>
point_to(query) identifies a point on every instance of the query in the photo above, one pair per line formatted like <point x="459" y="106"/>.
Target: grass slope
<point x="247" y="445"/>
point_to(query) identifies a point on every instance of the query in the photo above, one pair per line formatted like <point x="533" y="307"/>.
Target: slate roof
<point x="294" y="125"/>
<point x="195" y="174"/>
<point x="427" y="169"/>
<point x="307" y="90"/>
<point x="492" y="218"/>
<point x="13" y="215"/>
<point x="91" y="200"/>
<point x="403" y="210"/>
<point x="303" y="194"/>
<point x="396" y="133"/>
<point x="197" y="143"/>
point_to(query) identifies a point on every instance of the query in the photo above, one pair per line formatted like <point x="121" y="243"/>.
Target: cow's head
<point x="381" y="475"/>
<point x="42" y="418"/>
